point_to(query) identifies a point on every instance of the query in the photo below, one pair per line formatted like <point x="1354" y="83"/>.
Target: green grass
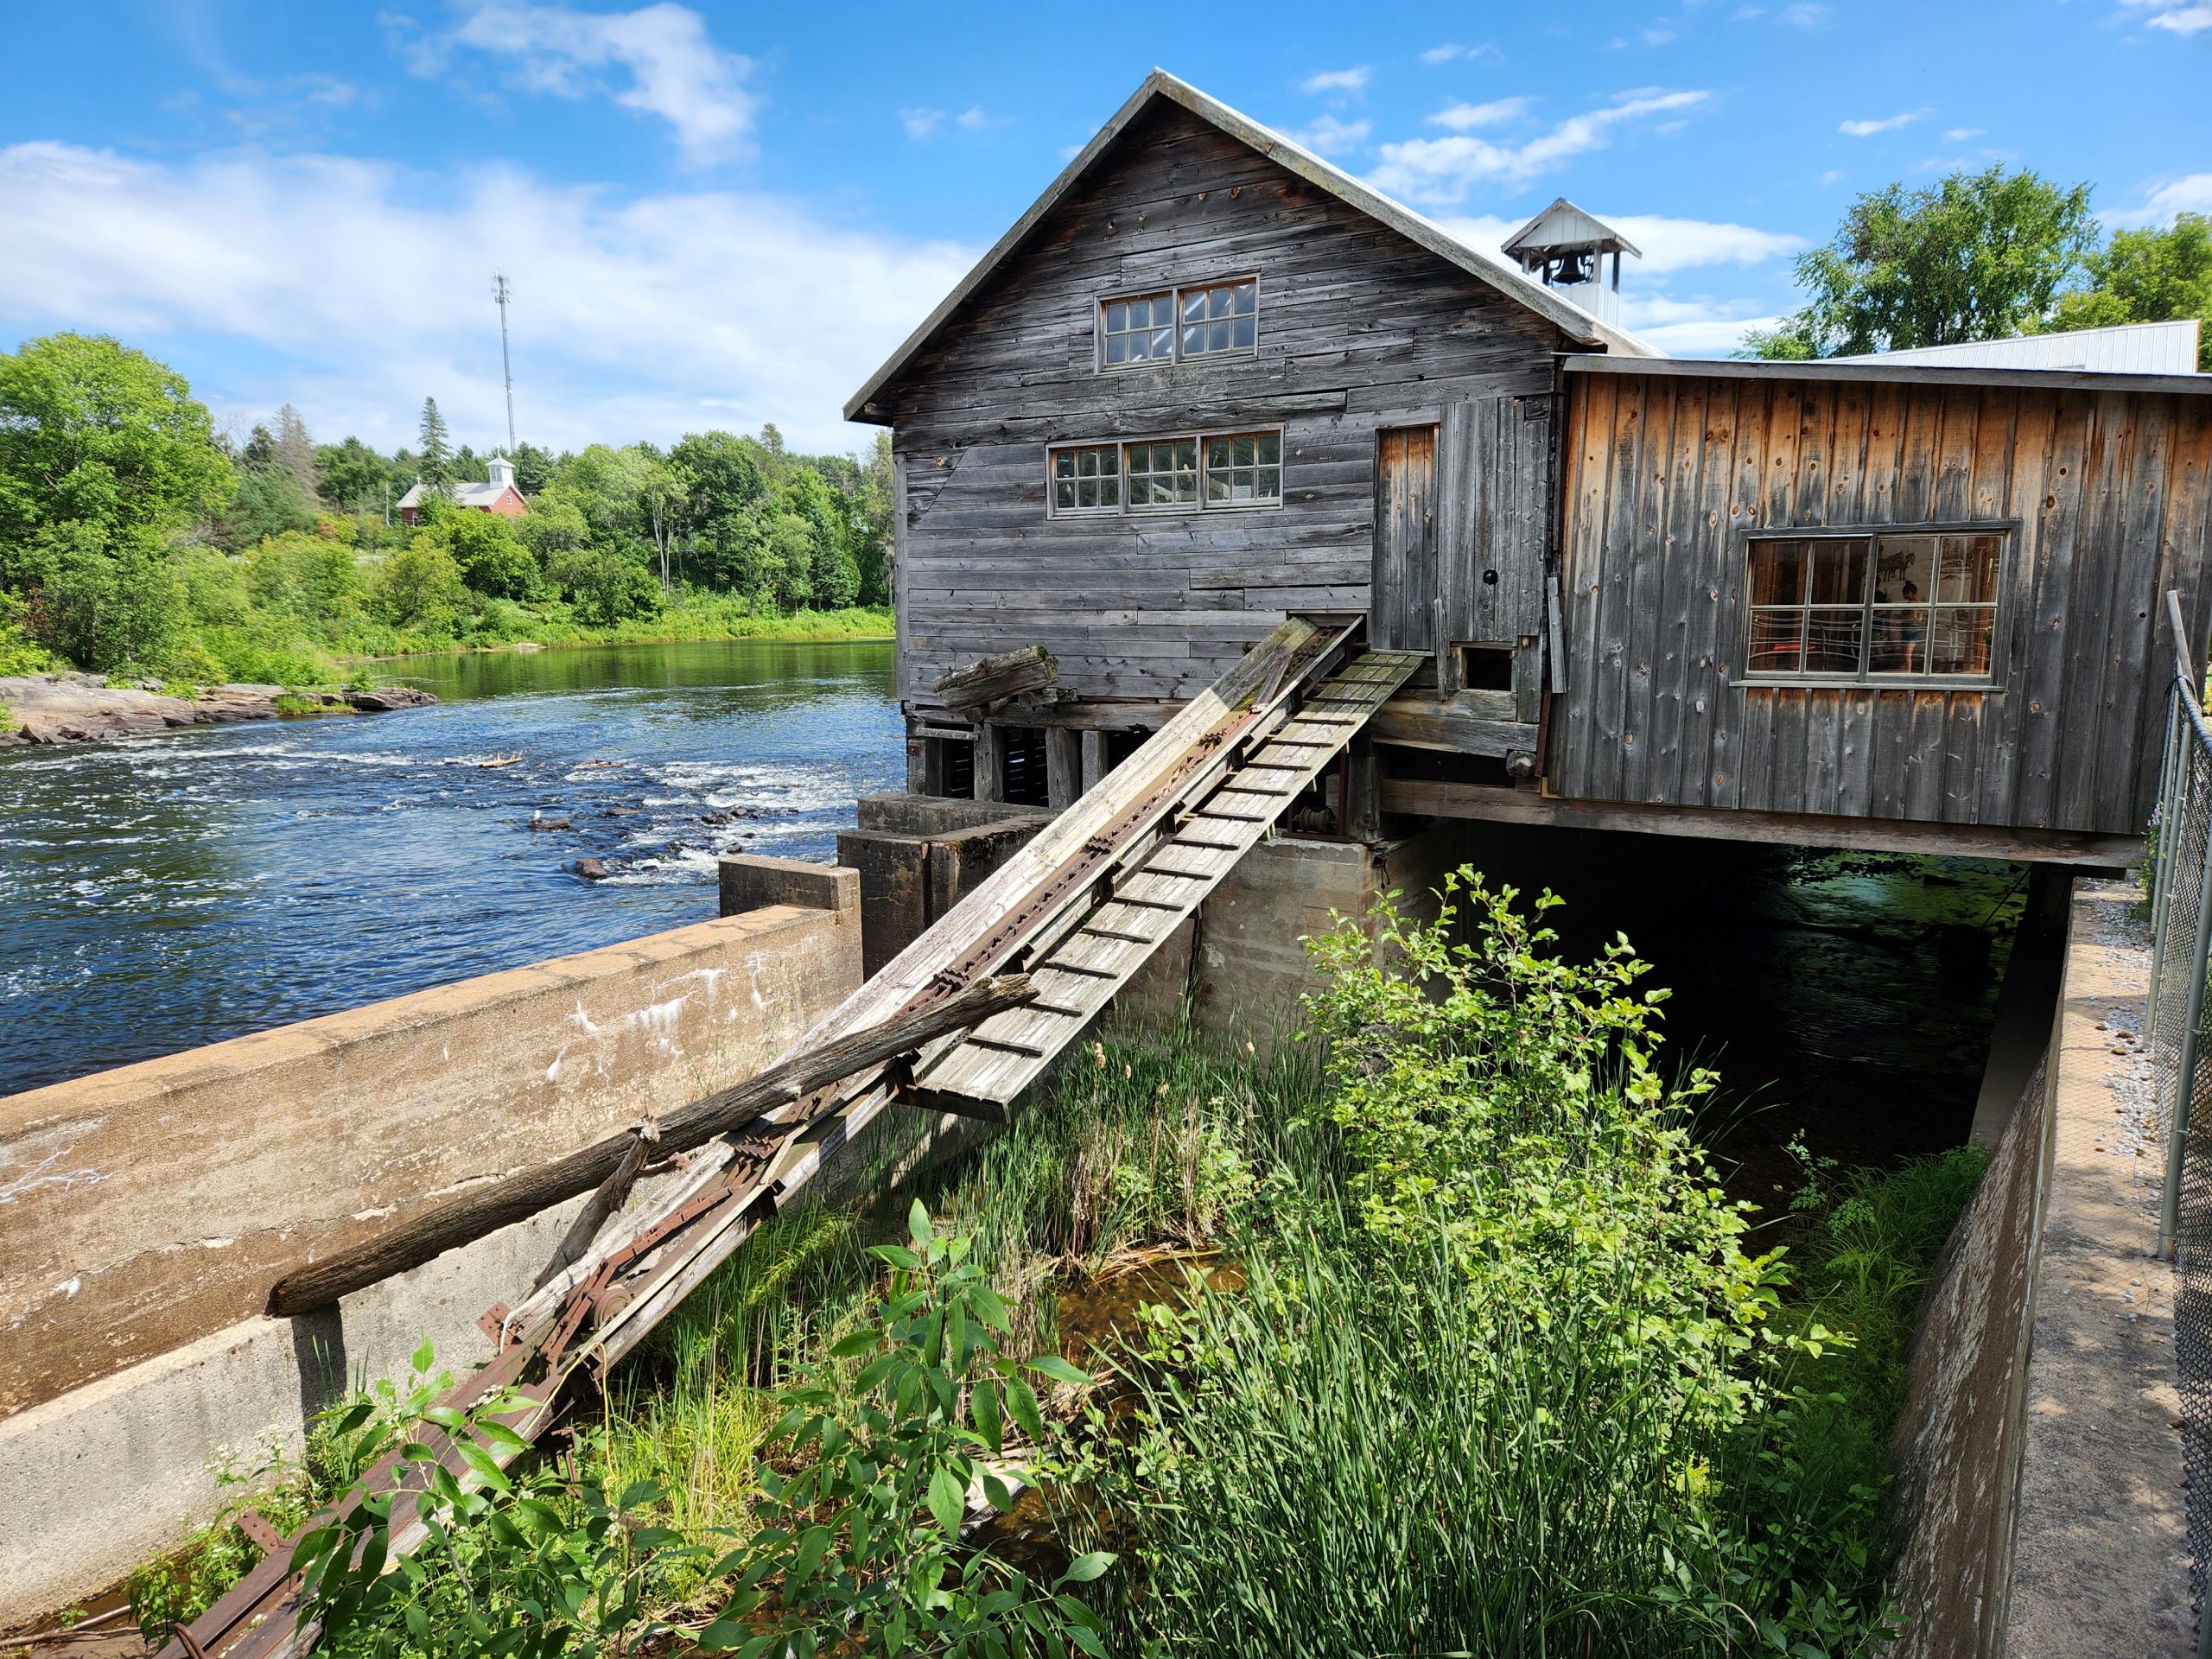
<point x="1364" y="1443"/>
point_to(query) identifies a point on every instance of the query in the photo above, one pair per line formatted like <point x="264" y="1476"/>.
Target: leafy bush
<point x="420" y="588"/>
<point x="1520" y="1390"/>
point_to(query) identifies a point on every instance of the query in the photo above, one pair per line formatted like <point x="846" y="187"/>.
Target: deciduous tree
<point x="1979" y="255"/>
<point x="2147" y="276"/>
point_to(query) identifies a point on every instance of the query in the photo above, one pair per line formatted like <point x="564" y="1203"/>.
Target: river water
<point x="161" y="892"/>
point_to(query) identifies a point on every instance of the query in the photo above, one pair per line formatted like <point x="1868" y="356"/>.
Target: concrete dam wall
<point x="145" y="1211"/>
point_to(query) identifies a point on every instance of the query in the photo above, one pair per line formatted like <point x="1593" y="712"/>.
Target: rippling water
<point x="161" y="892"/>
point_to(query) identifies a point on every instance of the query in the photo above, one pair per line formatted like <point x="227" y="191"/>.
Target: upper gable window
<point x="1210" y="320"/>
<point x="1920" y="606"/>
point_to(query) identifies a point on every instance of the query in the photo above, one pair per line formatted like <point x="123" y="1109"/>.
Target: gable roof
<point x="1563" y="225"/>
<point x="1569" y="319"/>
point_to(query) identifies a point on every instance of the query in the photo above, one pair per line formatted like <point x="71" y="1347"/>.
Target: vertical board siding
<point x="1359" y="330"/>
<point x="2109" y="498"/>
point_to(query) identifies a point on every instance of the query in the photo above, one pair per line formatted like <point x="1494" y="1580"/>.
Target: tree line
<point x="1988" y="256"/>
<point x="137" y="538"/>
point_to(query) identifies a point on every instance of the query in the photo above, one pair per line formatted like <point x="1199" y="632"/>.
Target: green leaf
<point x="918" y="1224"/>
<point x="488" y="1470"/>
<point x="638" y="1494"/>
<point x="1085" y="1568"/>
<point x="947" y="1498"/>
<point x="425" y="1357"/>
<point x="987" y="1408"/>
<point x="1022" y="1406"/>
<point x="859" y="1341"/>
<point x="1060" y="1371"/>
<point x="995" y="1489"/>
<point x="896" y="1254"/>
<point x="813" y="1545"/>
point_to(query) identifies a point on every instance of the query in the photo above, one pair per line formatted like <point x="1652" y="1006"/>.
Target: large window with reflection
<point x="1903" y="606"/>
<point x="1174" y="324"/>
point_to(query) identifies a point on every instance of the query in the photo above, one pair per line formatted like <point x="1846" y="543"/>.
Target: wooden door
<point x="1403" y="612"/>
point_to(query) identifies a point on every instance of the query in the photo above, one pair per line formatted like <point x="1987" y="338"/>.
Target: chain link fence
<point x="2181" y="1058"/>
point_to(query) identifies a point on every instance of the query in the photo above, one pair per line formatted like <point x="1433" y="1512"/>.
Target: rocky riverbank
<point x="85" y="708"/>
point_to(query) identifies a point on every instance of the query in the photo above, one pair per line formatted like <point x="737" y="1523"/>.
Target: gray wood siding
<point x="2107" y="496"/>
<point x="1359" y="329"/>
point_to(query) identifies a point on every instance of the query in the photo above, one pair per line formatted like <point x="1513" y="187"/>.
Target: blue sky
<point x="721" y="215"/>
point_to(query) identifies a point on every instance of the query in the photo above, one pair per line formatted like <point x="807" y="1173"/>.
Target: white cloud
<point x="1330" y="136"/>
<point x="1442" y="169"/>
<point x="1959" y="135"/>
<point x="1659" y="35"/>
<point x="1833" y="176"/>
<point x="1806" y="16"/>
<point x="659" y="60"/>
<point x="2177" y="19"/>
<point x="1667" y="244"/>
<point x="974" y="119"/>
<point x="2191" y="193"/>
<point x="921" y="123"/>
<point x="634" y="315"/>
<point x="1712" y="336"/>
<point x="1353" y="80"/>
<point x="1465" y="118"/>
<point x="1867" y="129"/>
<point x="1451" y="49"/>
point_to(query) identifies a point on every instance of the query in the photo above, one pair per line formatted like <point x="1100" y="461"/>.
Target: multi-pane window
<point x="1244" y="467"/>
<point x="1184" y="472"/>
<point x="1919" y="605"/>
<point x="1140" y="330"/>
<point x="1207" y="320"/>
<point x="1223" y="318"/>
<point x="1087" y="479"/>
<point x="1163" y="473"/>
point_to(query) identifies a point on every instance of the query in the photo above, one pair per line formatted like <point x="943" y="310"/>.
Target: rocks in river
<point x="591" y="869"/>
<point x="84" y="709"/>
<point x="539" y="826"/>
<point x="620" y="812"/>
<point x="383" y="699"/>
<point x="715" y="818"/>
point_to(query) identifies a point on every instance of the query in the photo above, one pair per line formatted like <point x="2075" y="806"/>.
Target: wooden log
<point x="470" y="1217"/>
<point x="611" y="1194"/>
<point x="993" y="679"/>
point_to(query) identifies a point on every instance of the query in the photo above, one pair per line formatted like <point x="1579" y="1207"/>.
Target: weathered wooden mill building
<point x="1209" y="380"/>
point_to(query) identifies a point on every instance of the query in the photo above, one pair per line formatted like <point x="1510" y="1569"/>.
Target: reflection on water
<point x="1849" y="995"/>
<point x="166" y="891"/>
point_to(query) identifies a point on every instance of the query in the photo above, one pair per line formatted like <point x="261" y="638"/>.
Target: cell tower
<point x="506" y="369"/>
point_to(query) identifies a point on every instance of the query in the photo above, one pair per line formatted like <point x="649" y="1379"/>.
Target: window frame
<point x="1176" y="353"/>
<point x="1195" y="436"/>
<point x="2007" y="533"/>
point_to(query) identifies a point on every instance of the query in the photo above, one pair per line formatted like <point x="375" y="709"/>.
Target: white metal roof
<point x="1570" y="319"/>
<point x="463" y="494"/>
<point x="2130" y="348"/>
<point x="1563" y="225"/>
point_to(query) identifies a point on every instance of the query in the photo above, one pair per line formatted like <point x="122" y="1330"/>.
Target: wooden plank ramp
<point x="1152" y="892"/>
<point x="1085" y="901"/>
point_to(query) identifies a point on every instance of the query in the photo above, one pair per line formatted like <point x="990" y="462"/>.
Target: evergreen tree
<point x="434" y="464"/>
<point x="295" y="449"/>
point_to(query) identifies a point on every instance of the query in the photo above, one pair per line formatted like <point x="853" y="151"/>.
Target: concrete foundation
<point x="145" y="1211"/>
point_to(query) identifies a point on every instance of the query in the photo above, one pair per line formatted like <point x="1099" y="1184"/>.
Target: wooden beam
<point x="1419" y="798"/>
<point x="459" y="1221"/>
<point x="1473" y="723"/>
<point x="994" y="679"/>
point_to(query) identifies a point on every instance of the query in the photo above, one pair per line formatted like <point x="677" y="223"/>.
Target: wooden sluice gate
<point x="962" y="1020"/>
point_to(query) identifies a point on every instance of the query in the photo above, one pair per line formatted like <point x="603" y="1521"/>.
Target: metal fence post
<point x="2192" y="1033"/>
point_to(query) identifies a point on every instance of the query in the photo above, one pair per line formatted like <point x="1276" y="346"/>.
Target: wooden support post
<point x="918" y="766"/>
<point x="1094" y="759"/>
<point x="1063" y="766"/>
<point x="990" y="751"/>
<point x="1364" y="819"/>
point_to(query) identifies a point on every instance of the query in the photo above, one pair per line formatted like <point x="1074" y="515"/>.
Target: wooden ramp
<point x="1081" y="907"/>
<point x="1154" y="886"/>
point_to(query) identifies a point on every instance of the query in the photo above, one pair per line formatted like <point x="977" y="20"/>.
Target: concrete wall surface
<point x="145" y="1211"/>
<point x="2099" y="1561"/>
<point x="146" y="1207"/>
